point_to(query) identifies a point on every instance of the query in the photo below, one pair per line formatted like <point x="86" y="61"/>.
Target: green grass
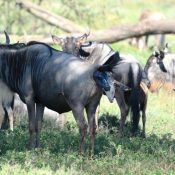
<point x="113" y="155"/>
<point x="154" y="155"/>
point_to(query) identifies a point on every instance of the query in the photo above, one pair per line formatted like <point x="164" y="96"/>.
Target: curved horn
<point x="84" y="36"/>
<point x="166" y="48"/>
<point x="7" y="37"/>
<point x="88" y="32"/>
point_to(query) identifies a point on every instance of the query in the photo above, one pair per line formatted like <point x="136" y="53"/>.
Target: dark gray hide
<point x="44" y="76"/>
<point x="127" y="70"/>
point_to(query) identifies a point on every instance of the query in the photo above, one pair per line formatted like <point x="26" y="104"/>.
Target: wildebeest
<point x="43" y="76"/>
<point x="127" y="70"/>
<point x="142" y="42"/>
<point x="6" y="105"/>
<point x="12" y="104"/>
<point x="6" y="100"/>
<point x="160" y="69"/>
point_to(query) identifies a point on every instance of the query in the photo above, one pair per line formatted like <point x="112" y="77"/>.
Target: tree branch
<point x="125" y="31"/>
<point x="50" y="18"/>
<point x="117" y="33"/>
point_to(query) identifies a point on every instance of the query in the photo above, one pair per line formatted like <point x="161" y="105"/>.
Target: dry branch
<point x="50" y="18"/>
<point x="125" y="31"/>
<point x="117" y="33"/>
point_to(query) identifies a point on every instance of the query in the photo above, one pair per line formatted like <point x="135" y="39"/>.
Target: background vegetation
<point x="113" y="155"/>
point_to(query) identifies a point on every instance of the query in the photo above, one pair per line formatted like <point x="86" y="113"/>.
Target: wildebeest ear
<point x="58" y="40"/>
<point x="7" y="37"/>
<point x="166" y="49"/>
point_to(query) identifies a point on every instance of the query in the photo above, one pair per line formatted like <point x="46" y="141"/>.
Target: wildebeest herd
<point x="75" y="79"/>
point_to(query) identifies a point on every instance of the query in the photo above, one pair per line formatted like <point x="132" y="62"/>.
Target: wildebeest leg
<point x="31" y="115"/>
<point x="124" y="109"/>
<point x="143" y="104"/>
<point x="1" y="116"/>
<point x="143" y="121"/>
<point x="78" y="112"/>
<point x="96" y="115"/>
<point x="10" y="116"/>
<point x="91" y="109"/>
<point x="38" y="124"/>
<point x="146" y="41"/>
<point x="141" y="43"/>
<point x="143" y="109"/>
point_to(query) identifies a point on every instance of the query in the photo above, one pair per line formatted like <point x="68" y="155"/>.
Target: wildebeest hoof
<point x="133" y="134"/>
<point x="143" y="135"/>
<point x="30" y="146"/>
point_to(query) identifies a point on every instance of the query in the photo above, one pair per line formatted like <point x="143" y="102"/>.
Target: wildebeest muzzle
<point x="101" y="78"/>
<point x="106" y="82"/>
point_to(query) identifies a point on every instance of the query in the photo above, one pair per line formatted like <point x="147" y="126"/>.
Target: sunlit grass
<point x="113" y="155"/>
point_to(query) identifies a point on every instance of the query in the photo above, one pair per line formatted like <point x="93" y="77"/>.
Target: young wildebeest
<point x="6" y="100"/>
<point x="160" y="69"/>
<point x="129" y="77"/>
<point x="6" y="106"/>
<point x="142" y="42"/>
<point x="11" y="103"/>
<point x="43" y="76"/>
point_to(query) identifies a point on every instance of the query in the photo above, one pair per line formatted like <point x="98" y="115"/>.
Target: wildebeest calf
<point x="6" y="104"/>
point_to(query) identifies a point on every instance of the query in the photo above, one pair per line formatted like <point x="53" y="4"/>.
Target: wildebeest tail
<point x="135" y="111"/>
<point x="134" y="97"/>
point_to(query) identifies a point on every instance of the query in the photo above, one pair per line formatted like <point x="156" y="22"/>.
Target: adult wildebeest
<point x="160" y="69"/>
<point x="43" y="76"/>
<point x="127" y="70"/>
<point x="142" y="42"/>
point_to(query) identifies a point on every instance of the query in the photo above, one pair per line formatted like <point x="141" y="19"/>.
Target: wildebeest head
<point x="155" y="69"/>
<point x="97" y="53"/>
<point x="105" y="81"/>
<point x="70" y="44"/>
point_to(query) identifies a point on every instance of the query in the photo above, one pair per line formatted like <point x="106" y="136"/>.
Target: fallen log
<point x="115" y="34"/>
